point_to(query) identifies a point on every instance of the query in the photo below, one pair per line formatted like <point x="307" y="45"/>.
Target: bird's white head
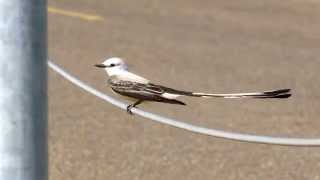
<point x="113" y="66"/>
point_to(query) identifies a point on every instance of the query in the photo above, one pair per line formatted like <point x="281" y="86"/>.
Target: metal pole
<point x="23" y="90"/>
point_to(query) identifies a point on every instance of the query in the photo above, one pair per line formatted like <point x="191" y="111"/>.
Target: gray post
<point x="23" y="90"/>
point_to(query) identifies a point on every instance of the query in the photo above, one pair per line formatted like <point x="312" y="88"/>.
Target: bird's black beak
<point x="100" y="65"/>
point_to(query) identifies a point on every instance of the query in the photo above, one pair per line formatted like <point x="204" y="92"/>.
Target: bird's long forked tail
<point x="280" y="93"/>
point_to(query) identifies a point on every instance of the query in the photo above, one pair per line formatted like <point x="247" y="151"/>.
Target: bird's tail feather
<point x="280" y="93"/>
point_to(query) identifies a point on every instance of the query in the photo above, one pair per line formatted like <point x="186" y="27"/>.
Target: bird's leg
<point x="133" y="105"/>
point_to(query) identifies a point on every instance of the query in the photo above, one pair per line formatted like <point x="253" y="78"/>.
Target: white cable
<point x="186" y="126"/>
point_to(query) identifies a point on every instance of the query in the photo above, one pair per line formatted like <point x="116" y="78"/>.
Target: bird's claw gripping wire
<point x="129" y="107"/>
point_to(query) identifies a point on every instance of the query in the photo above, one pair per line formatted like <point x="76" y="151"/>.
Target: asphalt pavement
<point x="207" y="46"/>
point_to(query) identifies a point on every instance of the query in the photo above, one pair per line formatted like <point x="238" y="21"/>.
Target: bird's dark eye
<point x="112" y="65"/>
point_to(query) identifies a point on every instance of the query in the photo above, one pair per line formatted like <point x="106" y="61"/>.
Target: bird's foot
<point x="129" y="107"/>
<point x="132" y="106"/>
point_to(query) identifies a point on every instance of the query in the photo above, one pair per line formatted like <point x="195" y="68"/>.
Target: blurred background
<point x="207" y="46"/>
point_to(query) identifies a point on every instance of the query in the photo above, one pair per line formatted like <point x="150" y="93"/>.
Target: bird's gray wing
<point x="148" y="92"/>
<point x="134" y="89"/>
<point x="141" y="91"/>
<point x="130" y="86"/>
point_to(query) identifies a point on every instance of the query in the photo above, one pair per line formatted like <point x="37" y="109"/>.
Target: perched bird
<point x="141" y="89"/>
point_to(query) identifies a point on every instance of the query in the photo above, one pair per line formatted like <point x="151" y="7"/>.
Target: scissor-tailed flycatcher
<point x="128" y="84"/>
